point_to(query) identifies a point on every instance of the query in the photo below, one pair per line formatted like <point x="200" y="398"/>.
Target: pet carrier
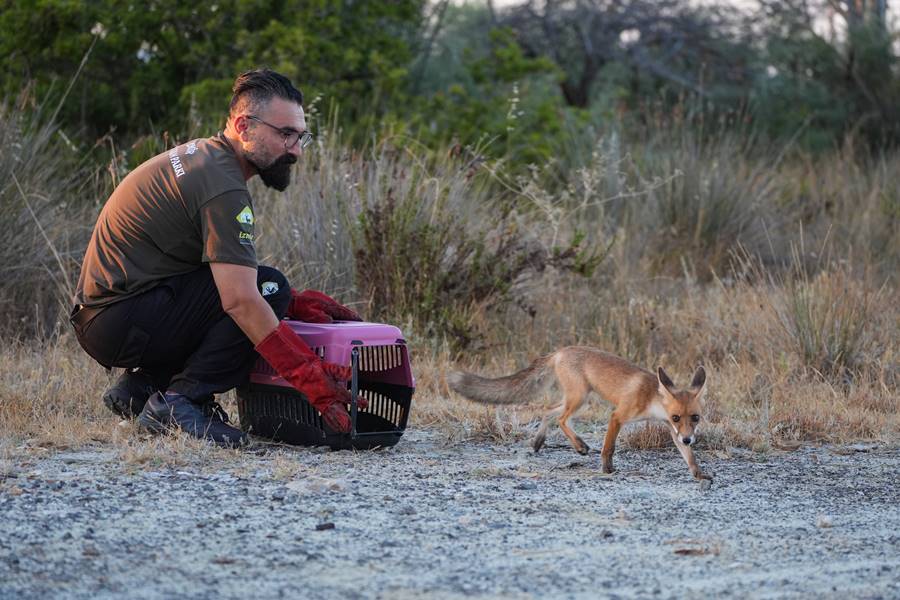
<point x="377" y="354"/>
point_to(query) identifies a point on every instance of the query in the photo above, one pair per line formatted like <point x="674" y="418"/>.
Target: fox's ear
<point x="698" y="381"/>
<point x="664" y="380"/>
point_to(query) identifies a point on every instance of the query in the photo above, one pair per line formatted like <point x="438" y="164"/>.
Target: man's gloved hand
<point x="313" y="306"/>
<point x="292" y="359"/>
<point x="337" y="372"/>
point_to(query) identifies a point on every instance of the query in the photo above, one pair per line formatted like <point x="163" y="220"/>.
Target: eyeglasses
<point x="290" y="136"/>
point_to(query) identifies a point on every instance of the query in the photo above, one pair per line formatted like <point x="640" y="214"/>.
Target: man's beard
<point x="278" y="173"/>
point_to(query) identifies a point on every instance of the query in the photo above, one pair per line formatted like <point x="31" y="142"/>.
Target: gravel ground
<point x="468" y="519"/>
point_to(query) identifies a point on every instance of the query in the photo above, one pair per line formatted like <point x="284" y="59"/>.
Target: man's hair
<point x="254" y="89"/>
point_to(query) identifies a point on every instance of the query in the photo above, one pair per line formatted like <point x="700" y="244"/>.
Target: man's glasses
<point x="290" y="136"/>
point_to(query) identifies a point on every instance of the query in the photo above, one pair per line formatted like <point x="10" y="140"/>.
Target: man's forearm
<point x="255" y="318"/>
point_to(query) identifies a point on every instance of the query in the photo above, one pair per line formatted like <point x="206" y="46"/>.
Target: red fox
<point x="637" y="395"/>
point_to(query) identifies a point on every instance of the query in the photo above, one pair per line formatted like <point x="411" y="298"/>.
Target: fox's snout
<point x="688" y="440"/>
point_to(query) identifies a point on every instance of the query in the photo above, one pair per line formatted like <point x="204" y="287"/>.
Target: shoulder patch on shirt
<point x="245" y="217"/>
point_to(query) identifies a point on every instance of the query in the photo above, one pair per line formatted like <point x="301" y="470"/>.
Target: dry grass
<point x="801" y="346"/>
<point x="761" y="391"/>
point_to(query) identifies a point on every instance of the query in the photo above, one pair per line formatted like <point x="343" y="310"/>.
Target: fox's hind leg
<point x="575" y="390"/>
<point x="542" y="430"/>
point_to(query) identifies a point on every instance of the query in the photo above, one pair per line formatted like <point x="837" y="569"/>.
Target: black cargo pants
<point x="178" y="333"/>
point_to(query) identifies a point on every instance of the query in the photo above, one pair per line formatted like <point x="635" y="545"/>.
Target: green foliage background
<point x="749" y="142"/>
<point x="156" y="65"/>
<point x="442" y="72"/>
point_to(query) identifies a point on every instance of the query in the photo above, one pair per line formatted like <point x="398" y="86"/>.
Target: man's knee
<point x="274" y="287"/>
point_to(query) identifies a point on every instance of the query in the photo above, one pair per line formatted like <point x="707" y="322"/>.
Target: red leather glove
<point x="315" y="307"/>
<point x="339" y="373"/>
<point x="292" y="359"/>
<point x="336" y="371"/>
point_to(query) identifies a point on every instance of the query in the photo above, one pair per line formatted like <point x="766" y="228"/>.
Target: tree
<point x="668" y="39"/>
<point x="836" y="82"/>
<point x="157" y="63"/>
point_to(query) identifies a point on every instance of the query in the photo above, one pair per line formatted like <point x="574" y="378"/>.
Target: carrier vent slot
<point x="380" y="358"/>
<point x="383" y="406"/>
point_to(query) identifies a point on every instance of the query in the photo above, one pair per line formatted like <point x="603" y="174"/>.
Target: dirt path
<point x="428" y="519"/>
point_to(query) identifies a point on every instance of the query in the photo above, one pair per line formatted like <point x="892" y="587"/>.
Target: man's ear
<point x="698" y="381"/>
<point x="240" y="124"/>
<point x="665" y="382"/>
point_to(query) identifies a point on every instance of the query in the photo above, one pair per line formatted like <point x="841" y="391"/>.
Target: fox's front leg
<point x="688" y="456"/>
<point x="609" y="443"/>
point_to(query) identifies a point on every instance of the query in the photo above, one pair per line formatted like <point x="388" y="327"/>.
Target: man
<point x="170" y="287"/>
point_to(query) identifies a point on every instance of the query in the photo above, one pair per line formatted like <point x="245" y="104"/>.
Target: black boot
<point x="129" y="393"/>
<point x="204" y="421"/>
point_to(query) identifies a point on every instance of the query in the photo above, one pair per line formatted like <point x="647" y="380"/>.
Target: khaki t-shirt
<point x="178" y="210"/>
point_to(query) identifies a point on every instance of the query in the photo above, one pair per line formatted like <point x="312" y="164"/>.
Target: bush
<point x="828" y="319"/>
<point x="430" y="244"/>
<point x="46" y="226"/>
<point x="711" y="201"/>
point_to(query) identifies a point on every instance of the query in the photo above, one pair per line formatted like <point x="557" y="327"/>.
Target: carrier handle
<point x="354" y="390"/>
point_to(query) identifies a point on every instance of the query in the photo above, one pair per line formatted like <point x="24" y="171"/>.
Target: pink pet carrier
<point x="270" y="407"/>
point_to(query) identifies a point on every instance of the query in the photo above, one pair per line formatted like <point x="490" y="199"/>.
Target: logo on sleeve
<point x="245" y="217"/>
<point x="268" y="288"/>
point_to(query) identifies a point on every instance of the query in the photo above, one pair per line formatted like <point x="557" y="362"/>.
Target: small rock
<point x="705" y="484"/>
<point x="823" y="521"/>
<point x="324" y="526"/>
<point x="526" y="485"/>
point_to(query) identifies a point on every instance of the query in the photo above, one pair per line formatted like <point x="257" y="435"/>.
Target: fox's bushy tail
<point x="511" y="389"/>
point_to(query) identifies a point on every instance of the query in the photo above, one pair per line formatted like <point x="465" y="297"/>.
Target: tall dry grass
<point x="48" y="199"/>
<point x="673" y="255"/>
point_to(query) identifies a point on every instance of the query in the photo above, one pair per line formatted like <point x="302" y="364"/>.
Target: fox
<point x="636" y="393"/>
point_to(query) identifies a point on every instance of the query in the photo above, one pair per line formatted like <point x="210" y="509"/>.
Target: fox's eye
<point x="695" y="418"/>
<point x="675" y="418"/>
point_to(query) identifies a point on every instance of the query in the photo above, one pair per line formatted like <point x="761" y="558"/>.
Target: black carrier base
<point x="283" y="414"/>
